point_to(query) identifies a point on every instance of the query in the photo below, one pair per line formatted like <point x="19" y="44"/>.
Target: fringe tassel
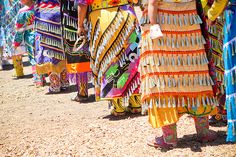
<point x="95" y="35"/>
<point x="230" y="77"/>
<point x="57" y="55"/>
<point x="52" y="42"/>
<point x="179" y="101"/>
<point x="182" y="81"/>
<point x="182" y="41"/>
<point x="107" y="35"/>
<point x="70" y="21"/>
<point x="149" y="62"/>
<point x="70" y="35"/>
<point x="174" y="19"/>
<point x="48" y="27"/>
<point x="116" y="47"/>
<point x="133" y="87"/>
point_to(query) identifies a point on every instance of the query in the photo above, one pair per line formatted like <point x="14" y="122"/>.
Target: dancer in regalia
<point x="229" y="57"/>
<point x="215" y="30"/>
<point x="114" y="45"/>
<point x="9" y="10"/>
<point x="77" y="62"/>
<point x="24" y="40"/>
<point x="50" y="56"/>
<point x="174" y="72"/>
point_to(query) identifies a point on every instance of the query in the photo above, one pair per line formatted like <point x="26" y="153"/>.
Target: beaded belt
<point x="108" y="4"/>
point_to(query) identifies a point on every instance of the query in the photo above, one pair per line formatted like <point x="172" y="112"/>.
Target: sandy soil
<point x="35" y="124"/>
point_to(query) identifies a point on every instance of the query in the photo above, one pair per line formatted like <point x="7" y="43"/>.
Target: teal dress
<point x="24" y="39"/>
<point x="2" y="13"/>
<point x="8" y="12"/>
<point x="2" y="37"/>
<point x="229" y="56"/>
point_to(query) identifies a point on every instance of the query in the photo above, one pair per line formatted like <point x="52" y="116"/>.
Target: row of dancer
<point x="173" y="70"/>
<point x="178" y="61"/>
<point x="47" y="30"/>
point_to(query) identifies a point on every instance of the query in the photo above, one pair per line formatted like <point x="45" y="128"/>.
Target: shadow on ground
<point x="127" y="115"/>
<point x="28" y="76"/>
<point x="68" y="90"/>
<point x="25" y="64"/>
<point x="7" y="67"/>
<point x="90" y="99"/>
<point x="10" y="66"/>
<point x="219" y="124"/>
<point x="190" y="141"/>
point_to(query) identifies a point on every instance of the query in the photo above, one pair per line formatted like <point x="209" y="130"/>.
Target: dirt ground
<point x="35" y="124"/>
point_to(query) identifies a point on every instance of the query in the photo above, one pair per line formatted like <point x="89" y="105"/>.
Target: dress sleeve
<point x="216" y="9"/>
<point x="20" y="22"/>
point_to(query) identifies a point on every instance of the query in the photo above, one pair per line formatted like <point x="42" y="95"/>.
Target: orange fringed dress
<point x="174" y="69"/>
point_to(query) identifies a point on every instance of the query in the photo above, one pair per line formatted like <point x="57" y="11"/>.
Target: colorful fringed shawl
<point x="174" y="69"/>
<point x="2" y="13"/>
<point x="115" y="36"/>
<point x="215" y="33"/>
<point x="2" y="37"/>
<point x="216" y="41"/>
<point x="49" y="46"/>
<point x="78" y="61"/>
<point x="9" y="10"/>
<point x="25" y="36"/>
<point x="208" y="49"/>
<point x="229" y="56"/>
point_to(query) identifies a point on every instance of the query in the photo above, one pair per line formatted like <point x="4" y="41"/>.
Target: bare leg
<point x="152" y="11"/>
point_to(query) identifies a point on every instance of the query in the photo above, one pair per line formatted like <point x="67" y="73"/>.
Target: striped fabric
<point x="174" y="69"/>
<point x="49" y="46"/>
<point x="114" y="42"/>
<point x="229" y="56"/>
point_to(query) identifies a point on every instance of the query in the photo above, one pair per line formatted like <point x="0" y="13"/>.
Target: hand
<point x="210" y="23"/>
<point x="155" y="31"/>
<point x="144" y="10"/>
<point x="81" y="31"/>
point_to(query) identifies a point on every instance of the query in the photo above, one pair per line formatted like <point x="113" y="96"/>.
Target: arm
<point x="82" y="10"/>
<point x="152" y="11"/>
<point x="216" y="9"/>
